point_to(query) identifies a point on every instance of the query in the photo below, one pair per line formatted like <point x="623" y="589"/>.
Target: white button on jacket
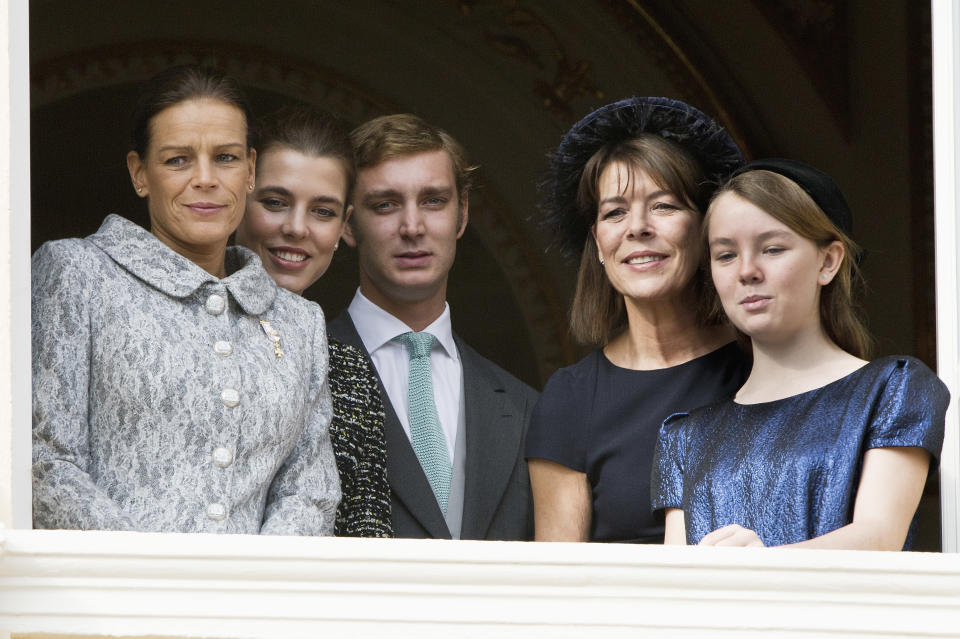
<point x="217" y="512"/>
<point x="222" y="457"/>
<point x="215" y="304"/>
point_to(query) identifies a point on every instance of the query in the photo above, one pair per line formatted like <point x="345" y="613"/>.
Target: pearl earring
<point x="139" y="189"/>
<point x="336" y="246"/>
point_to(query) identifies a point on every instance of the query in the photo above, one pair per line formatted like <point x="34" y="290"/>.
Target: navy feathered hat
<point x="673" y="120"/>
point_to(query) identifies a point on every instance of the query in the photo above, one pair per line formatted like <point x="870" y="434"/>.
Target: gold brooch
<point x="274" y="337"/>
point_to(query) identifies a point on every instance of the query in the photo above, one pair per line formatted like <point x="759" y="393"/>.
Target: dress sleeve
<point x="64" y="493"/>
<point x="666" y="481"/>
<point x="304" y="494"/>
<point x="911" y="410"/>
<point x="359" y="445"/>
<point x="559" y="423"/>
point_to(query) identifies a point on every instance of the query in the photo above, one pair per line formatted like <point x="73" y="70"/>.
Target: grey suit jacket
<point x="497" y="500"/>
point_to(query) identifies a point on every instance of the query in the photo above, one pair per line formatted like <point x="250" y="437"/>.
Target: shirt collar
<point x="142" y="254"/>
<point x="377" y="327"/>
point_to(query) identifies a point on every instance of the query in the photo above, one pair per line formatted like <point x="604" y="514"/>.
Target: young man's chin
<point x="417" y="291"/>
<point x="404" y="290"/>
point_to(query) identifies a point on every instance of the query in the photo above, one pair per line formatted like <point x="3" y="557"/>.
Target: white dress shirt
<point x="377" y="328"/>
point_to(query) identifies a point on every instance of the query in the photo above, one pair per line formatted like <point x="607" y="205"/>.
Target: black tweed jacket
<point x="356" y="432"/>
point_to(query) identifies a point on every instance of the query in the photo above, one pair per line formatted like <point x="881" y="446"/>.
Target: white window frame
<point x="15" y="387"/>
<point x="119" y="583"/>
<point x="945" y="21"/>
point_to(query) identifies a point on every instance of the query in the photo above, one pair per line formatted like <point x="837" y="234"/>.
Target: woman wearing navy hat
<point x="819" y="447"/>
<point x="627" y="187"/>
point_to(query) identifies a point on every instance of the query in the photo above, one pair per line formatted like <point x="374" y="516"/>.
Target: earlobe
<point x="135" y="168"/>
<point x="347" y="231"/>
<point x="593" y="237"/>
<point x="832" y="259"/>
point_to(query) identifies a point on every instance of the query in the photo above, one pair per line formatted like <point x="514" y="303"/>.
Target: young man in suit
<point x="454" y="456"/>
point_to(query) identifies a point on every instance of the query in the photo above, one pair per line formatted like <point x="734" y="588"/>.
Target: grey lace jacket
<point x="162" y="403"/>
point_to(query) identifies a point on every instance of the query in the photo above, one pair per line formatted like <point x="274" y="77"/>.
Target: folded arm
<point x="891" y="484"/>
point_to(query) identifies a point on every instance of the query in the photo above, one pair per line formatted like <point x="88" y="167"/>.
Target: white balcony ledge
<point x="130" y="584"/>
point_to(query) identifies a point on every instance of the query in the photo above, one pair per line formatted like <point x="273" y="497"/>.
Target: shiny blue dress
<point x="789" y="469"/>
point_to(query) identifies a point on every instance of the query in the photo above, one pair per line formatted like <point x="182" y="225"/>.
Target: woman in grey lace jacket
<point x="176" y="387"/>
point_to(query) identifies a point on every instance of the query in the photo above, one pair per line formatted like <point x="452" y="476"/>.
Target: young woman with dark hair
<point x="293" y="221"/>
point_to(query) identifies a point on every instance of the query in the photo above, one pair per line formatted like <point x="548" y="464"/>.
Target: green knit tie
<point x="425" y="433"/>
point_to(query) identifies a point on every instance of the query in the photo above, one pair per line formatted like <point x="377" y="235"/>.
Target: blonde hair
<point x="785" y="201"/>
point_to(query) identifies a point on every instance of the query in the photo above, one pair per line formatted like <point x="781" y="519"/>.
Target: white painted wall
<point x="6" y="396"/>
<point x="14" y="265"/>
<point x="120" y="583"/>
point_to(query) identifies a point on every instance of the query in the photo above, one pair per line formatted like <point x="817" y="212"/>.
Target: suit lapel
<point x="493" y="443"/>
<point x="405" y="475"/>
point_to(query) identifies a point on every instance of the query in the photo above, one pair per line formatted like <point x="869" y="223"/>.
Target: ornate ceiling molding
<point x="56" y="78"/>
<point x="520" y="33"/>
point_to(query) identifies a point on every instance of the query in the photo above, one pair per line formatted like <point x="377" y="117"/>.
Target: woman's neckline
<point x="715" y="351"/>
<point x="837" y="381"/>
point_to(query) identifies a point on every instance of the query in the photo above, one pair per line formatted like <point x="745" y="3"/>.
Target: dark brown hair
<point x="180" y="84"/>
<point x="310" y="132"/>
<point x="786" y="202"/>
<point x="598" y="312"/>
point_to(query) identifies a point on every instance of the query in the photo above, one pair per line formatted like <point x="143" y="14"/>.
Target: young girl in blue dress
<point x="819" y="448"/>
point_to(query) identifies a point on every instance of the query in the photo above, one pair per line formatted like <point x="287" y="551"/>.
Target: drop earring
<point x="602" y="262"/>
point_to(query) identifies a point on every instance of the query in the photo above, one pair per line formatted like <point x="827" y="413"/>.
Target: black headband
<point x="818" y="185"/>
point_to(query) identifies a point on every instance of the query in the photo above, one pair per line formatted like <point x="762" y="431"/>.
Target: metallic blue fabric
<point x="789" y="469"/>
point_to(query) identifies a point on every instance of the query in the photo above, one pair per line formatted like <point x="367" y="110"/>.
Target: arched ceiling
<point x="506" y="77"/>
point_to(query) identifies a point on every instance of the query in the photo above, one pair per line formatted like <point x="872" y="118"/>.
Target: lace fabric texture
<point x="160" y="403"/>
